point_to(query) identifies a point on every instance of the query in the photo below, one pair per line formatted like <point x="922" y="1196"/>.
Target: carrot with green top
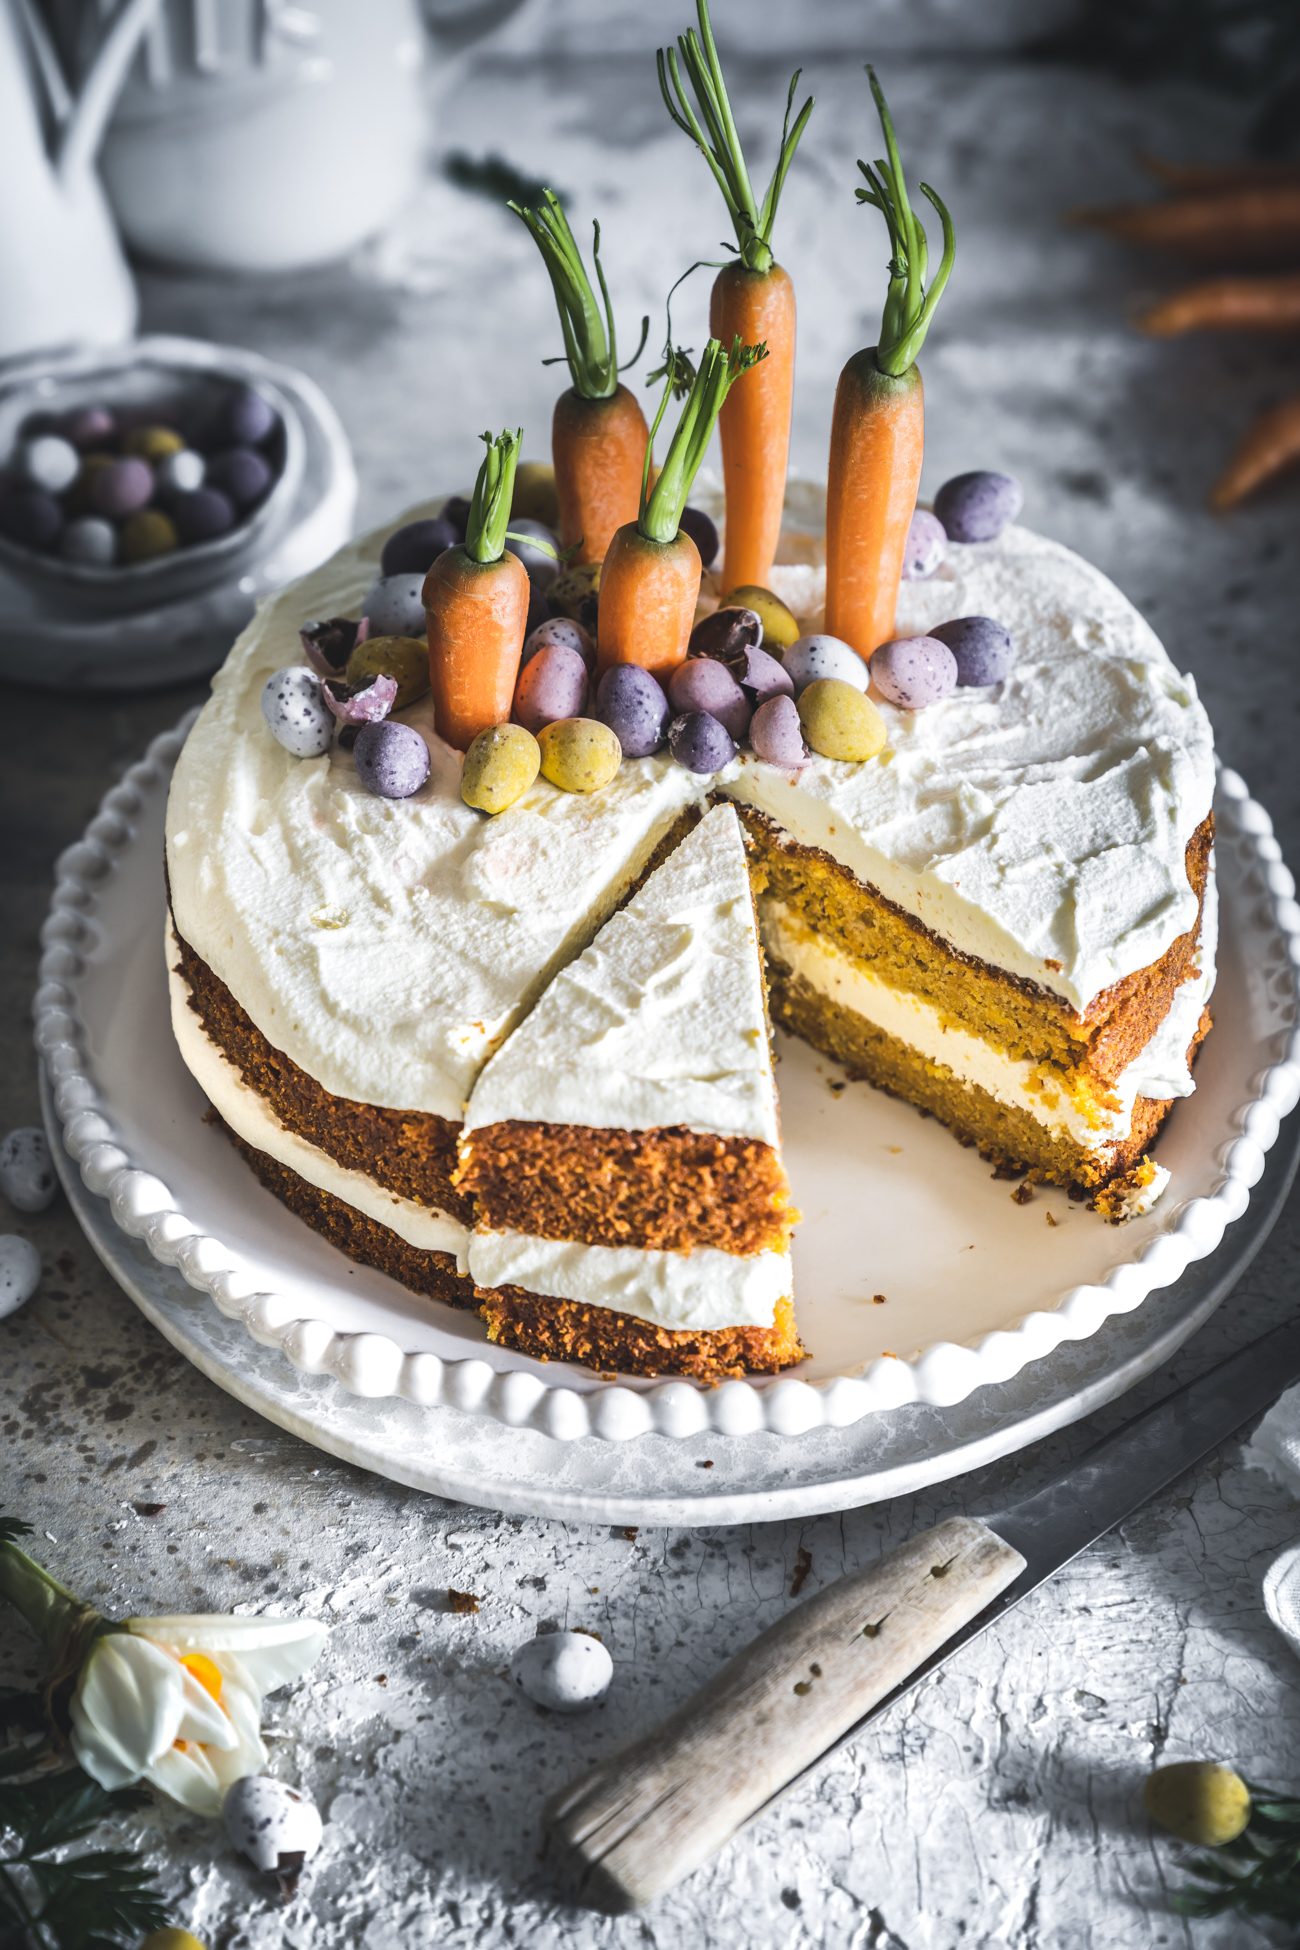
<point x="650" y="583"/>
<point x="476" y="608"/>
<point x="598" y="432"/>
<point x="878" y="425"/>
<point x="752" y="301"/>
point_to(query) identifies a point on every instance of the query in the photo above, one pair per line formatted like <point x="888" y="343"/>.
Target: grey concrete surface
<point x="999" y="1806"/>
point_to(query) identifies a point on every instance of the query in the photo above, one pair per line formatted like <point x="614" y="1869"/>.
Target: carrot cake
<point x="1007" y="917"/>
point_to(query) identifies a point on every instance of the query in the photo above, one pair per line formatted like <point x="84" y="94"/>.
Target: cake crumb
<point x="894" y="1150"/>
<point x="1022" y="1194"/>
<point x="802" y="1566"/>
<point x="837" y="1086"/>
<point x="1051" y="1218"/>
<point x="461" y="1601"/>
<point x="877" y="1299"/>
<point x="704" y="1465"/>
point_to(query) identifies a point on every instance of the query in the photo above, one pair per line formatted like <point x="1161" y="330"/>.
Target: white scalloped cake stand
<point x="975" y="1286"/>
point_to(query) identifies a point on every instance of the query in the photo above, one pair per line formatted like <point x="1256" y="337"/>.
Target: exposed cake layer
<point x="702" y="1291"/>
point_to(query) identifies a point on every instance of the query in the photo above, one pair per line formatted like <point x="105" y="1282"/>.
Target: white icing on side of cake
<point x="251" y="1118"/>
<point x="701" y="1291"/>
<point x="661" y="1021"/>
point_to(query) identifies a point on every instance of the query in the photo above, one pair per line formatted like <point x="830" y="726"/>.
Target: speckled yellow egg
<point x="152" y="443"/>
<point x="575" y="592"/>
<point x="780" y="628"/>
<point x="405" y="658"/>
<point x="147" y="534"/>
<point x="500" y="765"/>
<point x="839" y="721"/>
<point x="579" y="754"/>
<point x="1199" y="1801"/>
<point x="534" y="497"/>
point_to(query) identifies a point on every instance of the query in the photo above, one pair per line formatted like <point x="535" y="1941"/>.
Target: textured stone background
<point x="997" y="1807"/>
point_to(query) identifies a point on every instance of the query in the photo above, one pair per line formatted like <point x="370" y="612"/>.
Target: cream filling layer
<point x="1160" y="1070"/>
<point x="251" y="1118"/>
<point x="700" y="1291"/>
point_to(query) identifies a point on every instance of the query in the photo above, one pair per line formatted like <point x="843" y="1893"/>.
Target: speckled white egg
<point x="296" y="711"/>
<point x="267" y="1820"/>
<point x="89" y="539"/>
<point x="395" y="606"/>
<point x="26" y="1172"/>
<point x="814" y="657"/>
<point x="20" y="1273"/>
<point x="180" y="473"/>
<point x="47" y="462"/>
<point x="565" y="1672"/>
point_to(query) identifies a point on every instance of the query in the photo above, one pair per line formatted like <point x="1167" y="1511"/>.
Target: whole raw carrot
<point x="1252" y="223"/>
<point x="650" y="583"/>
<point x="753" y="301"/>
<point x="476" y="608"/>
<point x="1271" y="445"/>
<point x="598" y="432"/>
<point x="877" y="429"/>
<point x="1228" y="305"/>
<point x="1243" y="174"/>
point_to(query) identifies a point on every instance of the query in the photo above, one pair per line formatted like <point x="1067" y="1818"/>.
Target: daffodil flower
<point x="175" y="1701"/>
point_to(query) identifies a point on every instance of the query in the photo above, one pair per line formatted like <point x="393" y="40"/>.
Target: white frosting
<point x="703" y="1290"/>
<point x="661" y="1021"/>
<point x="251" y="1118"/>
<point x="1160" y="1070"/>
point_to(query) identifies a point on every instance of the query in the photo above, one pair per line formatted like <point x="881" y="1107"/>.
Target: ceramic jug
<point x="267" y="135"/>
<point x="62" y="275"/>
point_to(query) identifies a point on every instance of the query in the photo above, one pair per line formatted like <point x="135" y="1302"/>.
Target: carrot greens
<point x="909" y="303"/>
<point x="719" y="368"/>
<point x="590" y="339"/>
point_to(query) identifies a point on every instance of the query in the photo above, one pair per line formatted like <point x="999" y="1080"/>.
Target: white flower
<point x="178" y="1701"/>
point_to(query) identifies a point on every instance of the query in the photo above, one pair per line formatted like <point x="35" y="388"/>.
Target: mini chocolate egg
<point x="89" y="539"/>
<point x="88" y="426"/>
<point x="563" y="1672"/>
<point x="179" y="473"/>
<point x="202" y="514"/>
<point x="534" y="497"/>
<point x="776" y="734"/>
<point x="241" y="474"/>
<point x="701" y="743"/>
<point x="726" y="631"/>
<point x="500" y="765"/>
<point x="30" y="517"/>
<point x="248" y="418"/>
<point x="413" y="549"/>
<point x="122" y="488"/>
<point x="632" y="703"/>
<point x="780" y="629"/>
<point x="824" y="656"/>
<point x="839" y="721"/>
<point x="80" y="496"/>
<point x="276" y="1826"/>
<point x="455" y="509"/>
<point x="297" y="714"/>
<point x="703" y="531"/>
<point x="542" y="566"/>
<point x="579" y="754"/>
<point x="913" y="671"/>
<point x="976" y="507"/>
<point x="48" y="462"/>
<point x="328" y="642"/>
<point x="392" y="759"/>
<point x="147" y="534"/>
<point x="395" y="606"/>
<point x="551" y="685"/>
<point x="704" y="684"/>
<point x="926" y="546"/>
<point x="152" y="443"/>
<point x="561" y="629"/>
<point x="404" y="657"/>
<point x="982" y="647"/>
<point x="27" y="1176"/>
<point x="20" y="1273"/>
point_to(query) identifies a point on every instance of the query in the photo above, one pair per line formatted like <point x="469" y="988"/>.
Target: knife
<point x="641" y="1821"/>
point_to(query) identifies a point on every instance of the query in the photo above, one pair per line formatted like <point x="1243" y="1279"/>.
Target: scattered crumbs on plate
<point x="381" y="1679"/>
<point x="970" y="1248"/>
<point x="894" y="1150"/>
<point x="838" y="1085"/>
<point x="704" y="1465"/>
<point x="802" y="1566"/>
<point x="1051" y="1218"/>
<point x="1003" y="1170"/>
<point x="461" y="1601"/>
<point x="1022" y="1194"/>
<point x="877" y="1299"/>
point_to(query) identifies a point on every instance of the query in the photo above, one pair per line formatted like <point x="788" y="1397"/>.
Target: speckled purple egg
<point x="981" y="646"/>
<point x="927" y="544"/>
<point x="30" y="517"/>
<point x="89" y="539"/>
<point x="294" y="707"/>
<point x="541" y="564"/>
<point x="776" y="734"/>
<point x="241" y="474"/>
<point x="632" y="703"/>
<point x="395" y="606"/>
<point x="88" y="426"/>
<point x="121" y="488"/>
<point x="203" y="515"/>
<point x="701" y="743"/>
<point x="552" y="685"/>
<point x="412" y="550"/>
<point x="248" y="418"/>
<point x="976" y="507"/>
<point x="913" y="671"/>
<point x="561" y="629"/>
<point x="703" y="532"/>
<point x="811" y="658"/>
<point x="391" y="759"/>
<point x="759" y="675"/>
<point x="702" y="684"/>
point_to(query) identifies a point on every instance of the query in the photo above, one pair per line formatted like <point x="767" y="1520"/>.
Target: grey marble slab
<point x="999" y="1806"/>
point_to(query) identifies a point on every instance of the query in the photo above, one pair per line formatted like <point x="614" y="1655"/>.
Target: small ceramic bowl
<point x="188" y="385"/>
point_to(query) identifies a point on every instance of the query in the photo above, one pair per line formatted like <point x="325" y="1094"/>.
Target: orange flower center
<point x="204" y="1670"/>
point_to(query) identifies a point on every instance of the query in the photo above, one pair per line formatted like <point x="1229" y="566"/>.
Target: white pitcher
<point x="63" y="278"/>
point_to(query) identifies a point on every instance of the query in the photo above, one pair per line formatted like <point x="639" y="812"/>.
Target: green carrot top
<point x="909" y="303"/>
<point x="706" y="389"/>
<point x="489" y="508"/>
<point x="710" y="124"/>
<point x="590" y="342"/>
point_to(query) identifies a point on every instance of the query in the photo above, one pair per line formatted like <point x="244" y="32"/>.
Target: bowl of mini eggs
<point x="132" y="479"/>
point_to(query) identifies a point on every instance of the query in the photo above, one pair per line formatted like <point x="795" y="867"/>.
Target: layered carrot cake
<point x="496" y="1055"/>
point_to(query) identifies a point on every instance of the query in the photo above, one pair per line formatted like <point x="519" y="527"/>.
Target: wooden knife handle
<point x="641" y="1821"/>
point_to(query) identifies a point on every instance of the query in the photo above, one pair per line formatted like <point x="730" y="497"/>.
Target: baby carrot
<point x="598" y="433"/>
<point x="650" y="583"/>
<point x="752" y="301"/>
<point x="1271" y="445"/>
<point x="1228" y="304"/>
<point x="877" y="429"/>
<point x="476" y="608"/>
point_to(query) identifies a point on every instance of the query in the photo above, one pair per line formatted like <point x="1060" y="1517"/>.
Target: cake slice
<point x="622" y="1148"/>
